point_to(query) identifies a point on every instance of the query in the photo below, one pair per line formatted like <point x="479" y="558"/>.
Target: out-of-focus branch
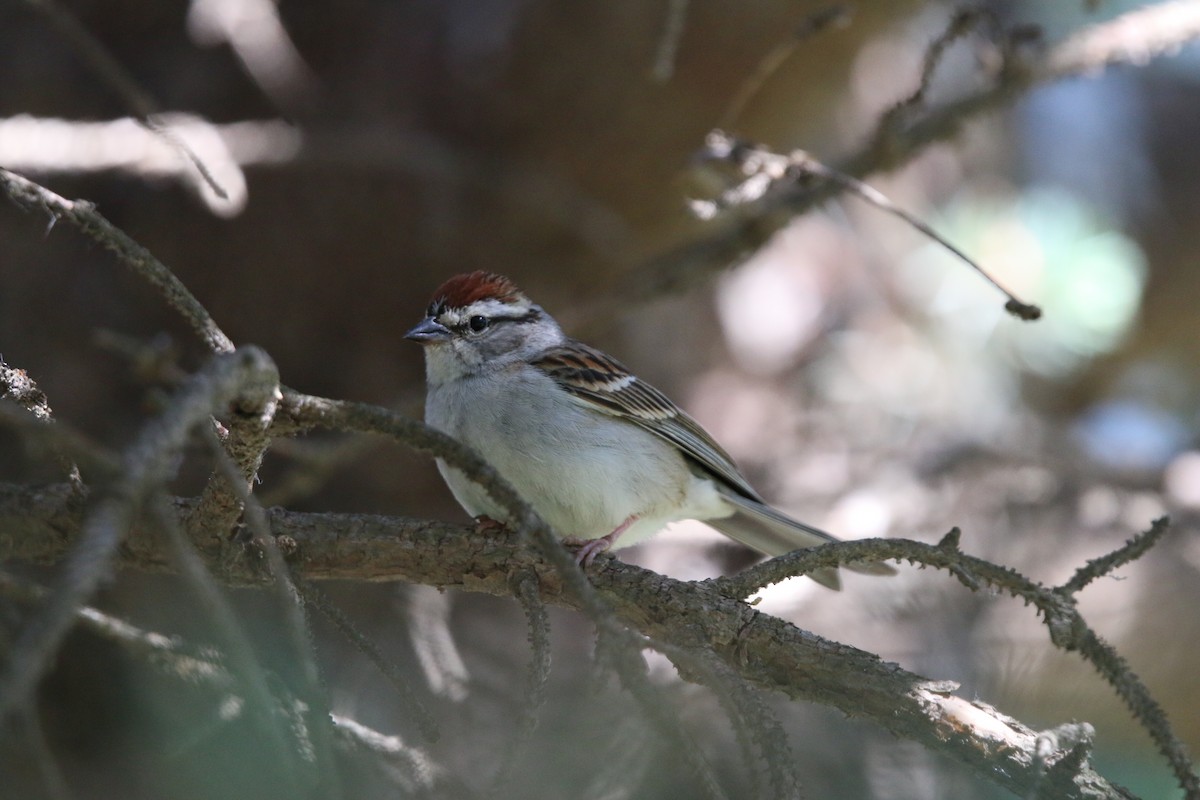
<point x="147" y="462"/>
<point x="767" y="652"/>
<point x="245" y="442"/>
<point x="92" y="52"/>
<point x="169" y="653"/>
<point x="1133" y="38"/>
<point x="205" y="666"/>
<point x="766" y="173"/>
<point x="84" y="216"/>
<point x="18" y="387"/>
<point x="525" y="589"/>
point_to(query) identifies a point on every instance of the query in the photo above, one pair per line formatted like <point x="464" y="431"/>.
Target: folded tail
<point x="773" y="533"/>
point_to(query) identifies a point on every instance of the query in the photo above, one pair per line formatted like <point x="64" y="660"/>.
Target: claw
<point x="590" y="548"/>
<point x="488" y="526"/>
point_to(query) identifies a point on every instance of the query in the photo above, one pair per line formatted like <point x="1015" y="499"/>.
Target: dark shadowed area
<point x="865" y="380"/>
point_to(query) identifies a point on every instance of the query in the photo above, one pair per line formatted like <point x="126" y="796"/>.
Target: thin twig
<point x="83" y="215"/>
<point x="272" y="717"/>
<point x="169" y="653"/>
<point x="242" y="451"/>
<point x="960" y="24"/>
<point x="29" y="733"/>
<point x="835" y="16"/>
<point x="757" y="729"/>
<point x="1132" y="551"/>
<point x="414" y="763"/>
<point x="1067" y="628"/>
<point x="101" y="61"/>
<point x="426" y="723"/>
<point x="525" y="589"/>
<point x="61" y="438"/>
<point x="147" y="463"/>
<point x="1015" y="306"/>
<point x="17" y="386"/>
<point x="768" y="173"/>
<point x="233" y="475"/>
<point x="1133" y="38"/>
<point x="668" y="45"/>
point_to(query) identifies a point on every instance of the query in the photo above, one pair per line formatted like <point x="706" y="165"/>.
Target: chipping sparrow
<point x="599" y="455"/>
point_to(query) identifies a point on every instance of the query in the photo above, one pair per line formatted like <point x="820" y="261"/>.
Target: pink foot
<point x="590" y="548"/>
<point x="488" y="526"/>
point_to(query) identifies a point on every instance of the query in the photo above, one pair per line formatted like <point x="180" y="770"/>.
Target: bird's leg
<point x="488" y="526"/>
<point x="590" y="548"/>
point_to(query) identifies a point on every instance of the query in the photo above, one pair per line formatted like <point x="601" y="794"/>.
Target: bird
<point x="603" y="457"/>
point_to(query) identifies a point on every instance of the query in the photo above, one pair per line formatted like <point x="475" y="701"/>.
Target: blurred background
<point x="865" y="381"/>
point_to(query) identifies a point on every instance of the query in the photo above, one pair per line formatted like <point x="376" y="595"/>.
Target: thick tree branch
<point x="767" y="652"/>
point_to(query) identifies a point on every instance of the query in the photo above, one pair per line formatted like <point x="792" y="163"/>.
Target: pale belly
<point x="584" y="473"/>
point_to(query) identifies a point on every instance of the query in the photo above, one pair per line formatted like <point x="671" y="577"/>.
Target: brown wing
<point x="604" y="384"/>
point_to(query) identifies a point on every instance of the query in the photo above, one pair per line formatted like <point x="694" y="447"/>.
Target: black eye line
<point x="465" y="326"/>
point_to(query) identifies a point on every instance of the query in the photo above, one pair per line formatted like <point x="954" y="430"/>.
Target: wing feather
<point x="602" y="382"/>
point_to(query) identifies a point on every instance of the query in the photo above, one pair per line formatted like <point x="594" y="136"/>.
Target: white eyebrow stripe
<point x="492" y="309"/>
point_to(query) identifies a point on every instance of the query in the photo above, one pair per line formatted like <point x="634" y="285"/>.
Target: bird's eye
<point x="478" y="323"/>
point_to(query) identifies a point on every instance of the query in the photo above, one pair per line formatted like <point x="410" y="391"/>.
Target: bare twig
<point x="834" y="16"/>
<point x="763" y="650"/>
<point x="110" y="71"/>
<point x="1068" y="630"/>
<point x="300" y="412"/>
<point x="17" y="386"/>
<point x="668" y="45"/>
<point x="1132" y="551"/>
<point x="62" y="439"/>
<point x="414" y="764"/>
<point x="233" y="475"/>
<point x="426" y="723"/>
<point x="770" y="173"/>
<point x="171" y="654"/>
<point x="1136" y="38"/>
<point x="204" y="665"/>
<point x="1133" y="38"/>
<point x="26" y="732"/>
<point x="960" y="25"/>
<point x="147" y="463"/>
<point x="1073" y="738"/>
<point x="238" y="460"/>
<point x="525" y="589"/>
<point x="757" y="729"/>
<point x="84" y="216"/>
<point x="273" y="716"/>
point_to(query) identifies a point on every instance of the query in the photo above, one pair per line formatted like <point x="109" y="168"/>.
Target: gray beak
<point x="428" y="330"/>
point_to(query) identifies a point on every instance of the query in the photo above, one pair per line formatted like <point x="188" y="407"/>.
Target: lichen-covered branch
<point x="768" y="652"/>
